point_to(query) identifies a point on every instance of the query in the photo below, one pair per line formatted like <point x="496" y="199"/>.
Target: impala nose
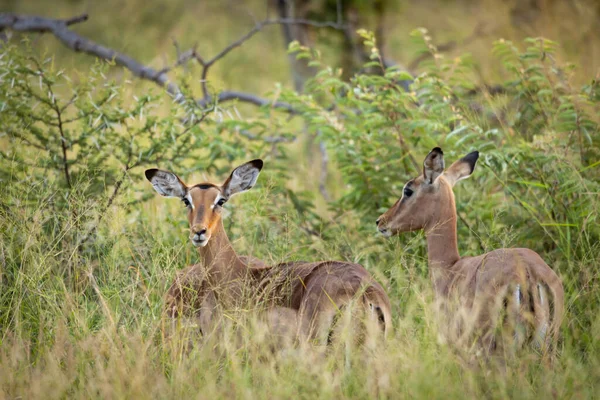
<point x="200" y="232"/>
<point x="199" y="236"/>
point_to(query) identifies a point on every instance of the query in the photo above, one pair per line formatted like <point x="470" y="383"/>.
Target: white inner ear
<point x="457" y="173"/>
<point x="242" y="178"/>
<point x="463" y="177"/>
<point x="167" y="184"/>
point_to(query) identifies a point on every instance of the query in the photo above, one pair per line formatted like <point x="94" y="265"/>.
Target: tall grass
<point x="100" y="334"/>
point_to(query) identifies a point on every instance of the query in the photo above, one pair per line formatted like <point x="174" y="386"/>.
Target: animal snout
<point x="381" y="226"/>
<point x="199" y="236"/>
<point x="200" y="231"/>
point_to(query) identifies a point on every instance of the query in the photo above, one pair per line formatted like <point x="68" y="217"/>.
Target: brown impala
<point x="314" y="292"/>
<point x="474" y="293"/>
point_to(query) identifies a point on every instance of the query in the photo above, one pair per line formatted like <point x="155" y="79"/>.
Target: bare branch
<point x="105" y="207"/>
<point x="63" y="138"/>
<point x="247" y="98"/>
<point x="76" y="20"/>
<point x="78" y="43"/>
<point x="323" y="175"/>
<point x="260" y="25"/>
<point x="266" y="139"/>
<point x="257" y="28"/>
<point x="339" y="11"/>
<point x="182" y="58"/>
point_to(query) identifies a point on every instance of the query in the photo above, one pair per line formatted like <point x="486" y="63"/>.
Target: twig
<point x="247" y="98"/>
<point x="323" y="175"/>
<point x="464" y="221"/>
<point x="182" y="58"/>
<point x="63" y="138"/>
<point x="27" y="141"/>
<point x="104" y="209"/>
<point x="266" y="139"/>
<point x="257" y="28"/>
<point x="260" y="25"/>
<point x="406" y="149"/>
<point x="196" y="122"/>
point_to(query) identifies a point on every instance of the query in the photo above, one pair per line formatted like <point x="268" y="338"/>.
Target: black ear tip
<point x="150" y="173"/>
<point x="471" y="158"/>
<point x="258" y="163"/>
<point x="437" y="150"/>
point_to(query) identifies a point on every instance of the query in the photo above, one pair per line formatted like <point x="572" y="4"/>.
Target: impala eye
<point x="408" y="192"/>
<point x="186" y="202"/>
<point x="221" y="201"/>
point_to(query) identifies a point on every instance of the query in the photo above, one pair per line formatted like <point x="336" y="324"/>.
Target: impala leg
<point x="516" y="326"/>
<point x="541" y="309"/>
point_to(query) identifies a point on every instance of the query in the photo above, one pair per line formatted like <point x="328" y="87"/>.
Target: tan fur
<point x="473" y="292"/>
<point x="314" y="292"/>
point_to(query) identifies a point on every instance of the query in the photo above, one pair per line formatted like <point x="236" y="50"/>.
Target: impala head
<point x="204" y="201"/>
<point x="427" y="197"/>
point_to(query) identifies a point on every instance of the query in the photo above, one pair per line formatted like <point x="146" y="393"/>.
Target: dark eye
<point x="186" y="202"/>
<point x="221" y="201"/>
<point x="408" y="192"/>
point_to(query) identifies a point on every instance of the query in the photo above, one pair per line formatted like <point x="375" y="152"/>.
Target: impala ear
<point x="462" y="168"/>
<point x="242" y="178"/>
<point x="166" y="183"/>
<point x="433" y="166"/>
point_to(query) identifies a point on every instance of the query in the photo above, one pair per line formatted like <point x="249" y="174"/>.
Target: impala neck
<point x="442" y="248"/>
<point x="224" y="268"/>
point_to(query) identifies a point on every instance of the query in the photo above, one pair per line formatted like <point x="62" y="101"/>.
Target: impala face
<point x="425" y="197"/>
<point x="204" y="202"/>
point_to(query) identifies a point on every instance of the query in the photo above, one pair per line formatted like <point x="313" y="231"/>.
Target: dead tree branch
<point x="266" y="139"/>
<point x="60" y="29"/>
<point x="246" y="98"/>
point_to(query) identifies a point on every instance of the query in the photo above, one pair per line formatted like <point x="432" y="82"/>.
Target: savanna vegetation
<point x="87" y="250"/>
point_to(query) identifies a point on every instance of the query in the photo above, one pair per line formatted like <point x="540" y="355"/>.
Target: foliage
<point x="539" y="138"/>
<point x="85" y="259"/>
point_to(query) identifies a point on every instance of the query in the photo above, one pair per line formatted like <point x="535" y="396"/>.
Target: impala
<point x="312" y="292"/>
<point x="514" y="286"/>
